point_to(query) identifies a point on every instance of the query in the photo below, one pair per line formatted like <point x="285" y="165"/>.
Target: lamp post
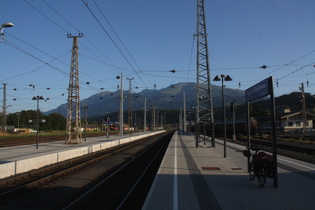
<point x="121" y="108"/>
<point x="145" y="116"/>
<point x="223" y="78"/>
<point x="4" y="25"/>
<point x="195" y="120"/>
<point x="233" y="112"/>
<point x="153" y="118"/>
<point x="18" y="115"/>
<point x="37" y="120"/>
<point x="85" y="108"/>
<point x="107" y="123"/>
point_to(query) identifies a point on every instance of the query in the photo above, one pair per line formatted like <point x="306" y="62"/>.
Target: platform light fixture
<point x="5" y="25"/>
<point x="37" y="98"/>
<point x="223" y="78"/>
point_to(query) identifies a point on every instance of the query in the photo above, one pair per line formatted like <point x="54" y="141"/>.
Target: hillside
<point x="169" y="98"/>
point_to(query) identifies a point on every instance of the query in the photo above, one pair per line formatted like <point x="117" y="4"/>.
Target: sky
<point x="145" y="40"/>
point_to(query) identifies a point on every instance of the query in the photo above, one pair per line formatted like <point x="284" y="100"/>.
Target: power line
<point x="75" y="28"/>
<point x="38" y="49"/>
<point x="285" y="65"/>
<point x="33" y="56"/>
<point x="123" y="46"/>
<point x="97" y="20"/>
<point x="103" y="28"/>
<point x="60" y="15"/>
<point x="108" y="64"/>
<point x="117" y="35"/>
<point x="45" y="63"/>
<point x="190" y="58"/>
<point x="163" y="76"/>
<point x="46" y="16"/>
<point x="59" y="27"/>
<point x="297" y="70"/>
<point x="113" y="64"/>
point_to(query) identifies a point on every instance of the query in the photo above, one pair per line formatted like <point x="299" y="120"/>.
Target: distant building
<point x="92" y="127"/>
<point x="286" y="122"/>
<point x="11" y="129"/>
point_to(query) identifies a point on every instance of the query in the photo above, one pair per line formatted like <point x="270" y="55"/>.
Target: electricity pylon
<point x="204" y="108"/>
<point x="73" y="111"/>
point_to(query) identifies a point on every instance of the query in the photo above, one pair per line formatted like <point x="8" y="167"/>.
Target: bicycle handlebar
<point x="255" y="148"/>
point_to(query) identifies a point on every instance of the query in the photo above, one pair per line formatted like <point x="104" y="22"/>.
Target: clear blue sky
<point x="242" y="36"/>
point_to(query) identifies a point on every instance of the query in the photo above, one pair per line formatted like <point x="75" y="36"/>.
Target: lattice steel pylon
<point x="204" y="109"/>
<point x="73" y="111"/>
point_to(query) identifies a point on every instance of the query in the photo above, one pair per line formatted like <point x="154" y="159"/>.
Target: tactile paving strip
<point x="205" y="196"/>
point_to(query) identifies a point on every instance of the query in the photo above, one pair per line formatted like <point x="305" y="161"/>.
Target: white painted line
<point x="296" y="164"/>
<point x="175" y="186"/>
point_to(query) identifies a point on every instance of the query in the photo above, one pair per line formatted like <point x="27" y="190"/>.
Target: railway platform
<point x="201" y="178"/>
<point x="20" y="159"/>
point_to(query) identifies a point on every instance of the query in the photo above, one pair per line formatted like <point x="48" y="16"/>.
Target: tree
<point x="24" y="117"/>
<point x="54" y="121"/>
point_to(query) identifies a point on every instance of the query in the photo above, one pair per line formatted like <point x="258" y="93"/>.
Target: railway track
<point x="300" y="151"/>
<point x="41" y="183"/>
<point x="127" y="187"/>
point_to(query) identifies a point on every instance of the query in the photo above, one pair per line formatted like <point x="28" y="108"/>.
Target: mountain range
<point x="170" y="98"/>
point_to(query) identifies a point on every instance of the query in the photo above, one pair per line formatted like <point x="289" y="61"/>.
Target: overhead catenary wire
<point x="63" y="28"/>
<point x="293" y="72"/>
<point x="108" y="64"/>
<point x="214" y="69"/>
<point x="59" y="16"/>
<point x="42" y="61"/>
<point x="137" y="72"/>
<point x="285" y="65"/>
<point x="190" y="59"/>
<point x="310" y="64"/>
<point x="113" y="64"/>
<point x="110" y="25"/>
<point x="45" y="63"/>
<point x="65" y="19"/>
<point x="36" y="48"/>
<point x="58" y="25"/>
<point x="140" y="70"/>
<point x="284" y="81"/>
<point x="33" y="56"/>
<point x="112" y="40"/>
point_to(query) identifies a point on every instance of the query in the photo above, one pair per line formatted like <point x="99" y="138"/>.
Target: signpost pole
<point x="248" y="132"/>
<point x="274" y="136"/>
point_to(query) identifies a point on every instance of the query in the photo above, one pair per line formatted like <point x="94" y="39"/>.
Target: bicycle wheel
<point x="251" y="171"/>
<point x="262" y="177"/>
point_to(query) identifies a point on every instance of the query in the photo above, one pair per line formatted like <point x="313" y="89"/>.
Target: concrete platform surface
<point x="20" y="159"/>
<point x="201" y="178"/>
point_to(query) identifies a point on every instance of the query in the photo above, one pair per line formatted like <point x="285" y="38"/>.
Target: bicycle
<point x="261" y="165"/>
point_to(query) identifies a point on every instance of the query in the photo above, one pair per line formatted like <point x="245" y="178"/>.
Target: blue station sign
<point x="257" y="91"/>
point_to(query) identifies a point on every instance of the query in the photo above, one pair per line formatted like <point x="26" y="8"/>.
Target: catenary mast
<point x="73" y="111"/>
<point x="204" y="108"/>
<point x="130" y="122"/>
